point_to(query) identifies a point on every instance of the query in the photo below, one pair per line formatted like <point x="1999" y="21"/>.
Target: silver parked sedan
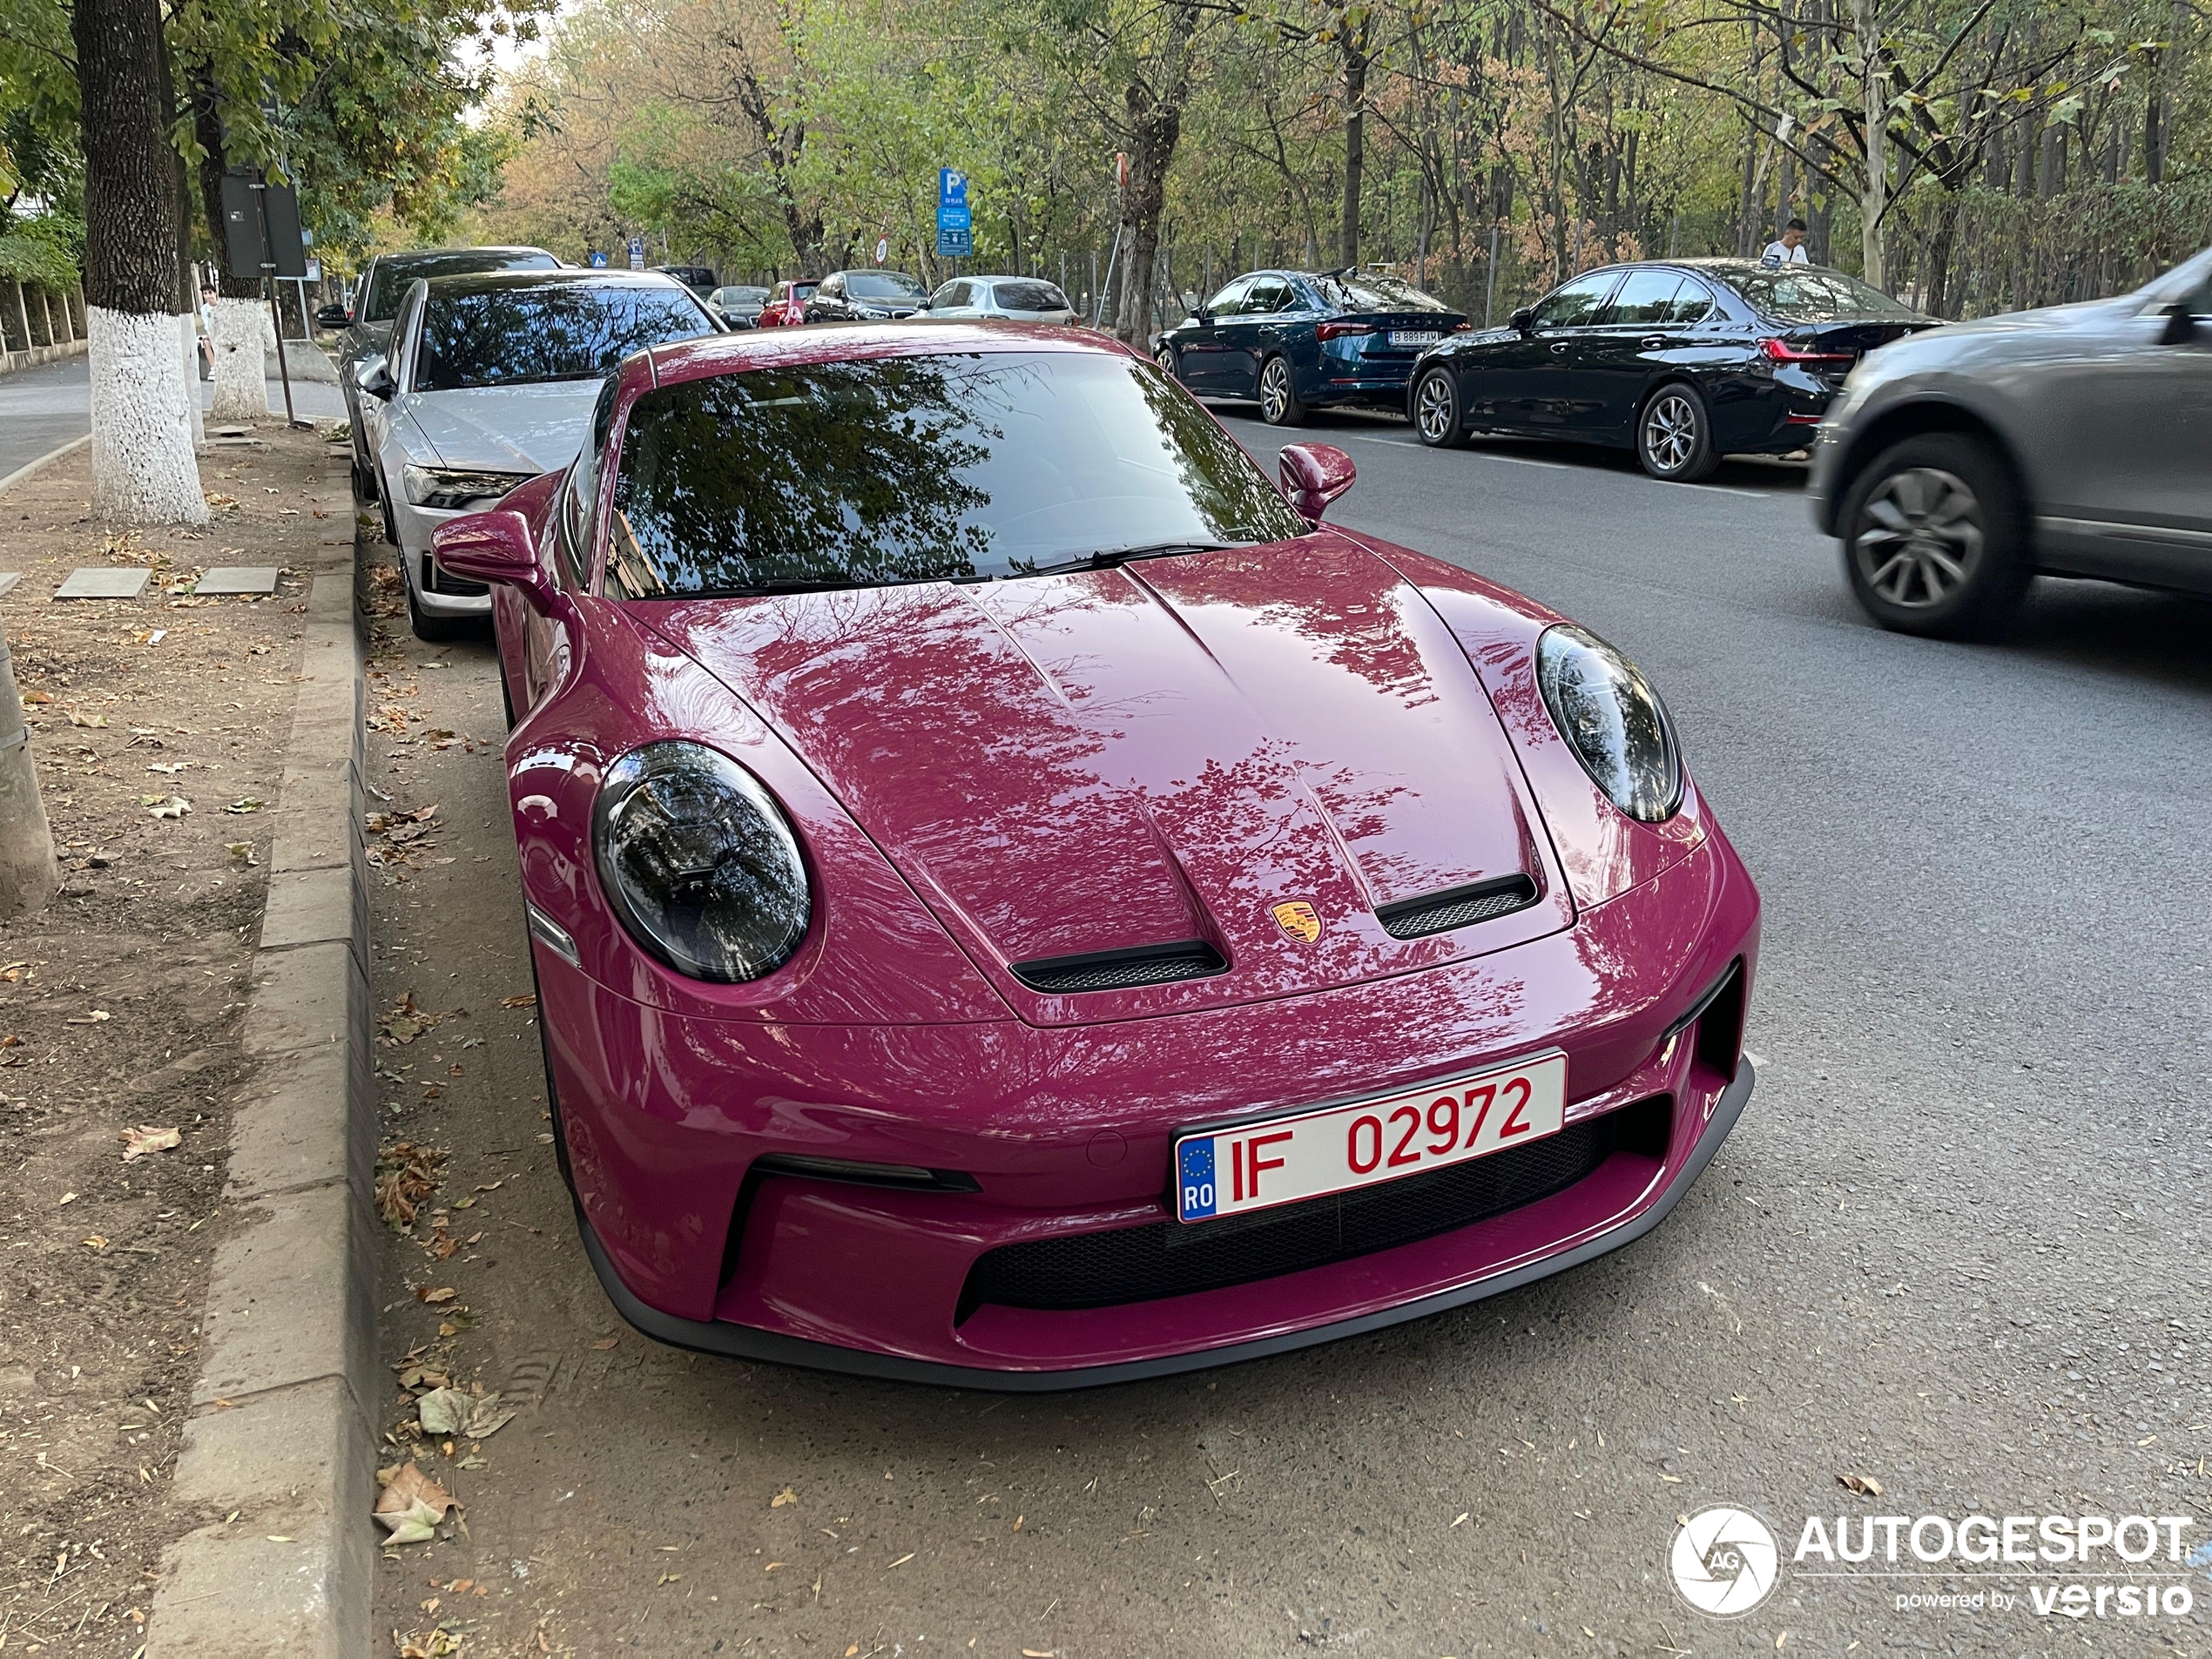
<point x="491" y="381"/>
<point x="2076" y="440"/>
<point x="1010" y="298"/>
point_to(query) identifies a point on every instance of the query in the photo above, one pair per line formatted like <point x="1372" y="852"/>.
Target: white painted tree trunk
<point x="188" y="349"/>
<point x="143" y="468"/>
<point x="241" y="394"/>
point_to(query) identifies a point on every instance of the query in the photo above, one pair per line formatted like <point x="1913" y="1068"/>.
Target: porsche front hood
<point x="1164" y="751"/>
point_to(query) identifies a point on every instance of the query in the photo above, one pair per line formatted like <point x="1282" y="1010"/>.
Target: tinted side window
<point x="1225" y="303"/>
<point x="1646" y="297"/>
<point x="1574" y="306"/>
<point x="579" y="509"/>
<point x="1693" y="303"/>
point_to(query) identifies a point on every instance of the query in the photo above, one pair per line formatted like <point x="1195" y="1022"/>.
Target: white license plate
<point x="1414" y="336"/>
<point x="1283" y="1160"/>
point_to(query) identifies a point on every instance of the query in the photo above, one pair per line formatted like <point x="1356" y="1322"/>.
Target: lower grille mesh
<point x="1168" y="1259"/>
<point x="1456" y="907"/>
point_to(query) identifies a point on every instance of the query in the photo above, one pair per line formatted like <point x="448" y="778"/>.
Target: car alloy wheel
<point x="1919" y="538"/>
<point x="1165" y="358"/>
<point x="1436" y="409"/>
<point x="1279" y="403"/>
<point x="1671" y="432"/>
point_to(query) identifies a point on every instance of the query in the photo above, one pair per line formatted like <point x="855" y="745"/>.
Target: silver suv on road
<point x="2077" y="441"/>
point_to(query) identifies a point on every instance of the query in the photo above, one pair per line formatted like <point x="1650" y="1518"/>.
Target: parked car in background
<point x="491" y="381"/>
<point x="1300" y="340"/>
<point x="2075" y="440"/>
<point x="865" y="296"/>
<point x="1018" y="901"/>
<point x="1011" y="297"/>
<point x="376" y="301"/>
<point x="701" y="280"/>
<point x="785" y="306"/>
<point x="1684" y="360"/>
<point x="737" y="305"/>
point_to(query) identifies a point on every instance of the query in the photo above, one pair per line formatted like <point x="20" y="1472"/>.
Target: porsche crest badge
<point x="1298" y="920"/>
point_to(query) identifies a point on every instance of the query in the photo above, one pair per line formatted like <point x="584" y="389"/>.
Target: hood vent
<point x="1439" y="913"/>
<point x="1117" y="970"/>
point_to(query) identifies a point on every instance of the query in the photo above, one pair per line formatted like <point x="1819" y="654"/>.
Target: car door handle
<point x="1654" y="342"/>
<point x="1561" y="344"/>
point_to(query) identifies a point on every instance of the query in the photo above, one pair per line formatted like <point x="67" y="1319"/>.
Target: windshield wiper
<point x="1106" y="557"/>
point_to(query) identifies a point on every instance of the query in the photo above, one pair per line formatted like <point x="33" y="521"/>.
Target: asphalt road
<point x="43" y="407"/>
<point x="1956" y="1245"/>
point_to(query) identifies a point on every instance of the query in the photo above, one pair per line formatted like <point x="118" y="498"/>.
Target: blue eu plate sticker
<point x="1194" y="1178"/>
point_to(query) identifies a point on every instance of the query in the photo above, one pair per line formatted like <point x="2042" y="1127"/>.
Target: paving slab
<point x="238" y="579"/>
<point x="9" y="579"/>
<point x="94" y="582"/>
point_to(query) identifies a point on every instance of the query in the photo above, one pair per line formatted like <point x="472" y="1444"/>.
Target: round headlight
<point x="1613" y="721"/>
<point x="699" y="862"/>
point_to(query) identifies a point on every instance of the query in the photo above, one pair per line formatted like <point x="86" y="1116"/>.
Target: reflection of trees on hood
<point x="857" y="478"/>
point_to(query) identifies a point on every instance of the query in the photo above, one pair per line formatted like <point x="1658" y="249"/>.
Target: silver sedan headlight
<point x="1613" y="721"/>
<point x="449" y="488"/>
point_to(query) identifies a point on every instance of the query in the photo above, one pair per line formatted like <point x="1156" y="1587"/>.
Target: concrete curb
<point x="43" y="462"/>
<point x="282" y="1427"/>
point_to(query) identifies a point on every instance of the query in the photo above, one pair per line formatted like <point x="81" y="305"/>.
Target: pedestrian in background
<point x="1790" y="250"/>
<point x="207" y="331"/>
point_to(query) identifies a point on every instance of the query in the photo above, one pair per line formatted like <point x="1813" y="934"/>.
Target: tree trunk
<point x="28" y="874"/>
<point x="1353" y="43"/>
<point x="241" y="397"/>
<point x="143" y="469"/>
<point x="1154" y="128"/>
<point x="1874" y="84"/>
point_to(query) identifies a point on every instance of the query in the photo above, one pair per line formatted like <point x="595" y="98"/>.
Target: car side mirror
<point x="2181" y="324"/>
<point x="377" y="381"/>
<point x="1521" y="320"/>
<point x="1314" y="474"/>
<point x="493" y="546"/>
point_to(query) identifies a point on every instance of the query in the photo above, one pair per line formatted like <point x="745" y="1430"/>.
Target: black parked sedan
<point x="1299" y="340"/>
<point x="1684" y="359"/>
<point x="865" y="296"/>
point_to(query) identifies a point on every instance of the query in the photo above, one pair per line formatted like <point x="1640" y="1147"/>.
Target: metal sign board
<point x="637" y="252"/>
<point x="598" y="257"/>
<point x="954" y="244"/>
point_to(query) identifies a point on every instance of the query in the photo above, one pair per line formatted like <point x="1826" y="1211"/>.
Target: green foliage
<point x="43" y="251"/>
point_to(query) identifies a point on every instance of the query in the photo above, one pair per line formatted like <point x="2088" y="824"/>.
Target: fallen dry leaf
<point x="145" y="1137"/>
<point x="782" y="1498"/>
<point x="524" y="1002"/>
<point x="443" y="1293"/>
<point x="96" y="1017"/>
<point x="605" y="1342"/>
<point x="1865" y="1485"/>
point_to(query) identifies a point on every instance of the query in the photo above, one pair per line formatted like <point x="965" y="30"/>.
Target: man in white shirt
<point x="1790" y="250"/>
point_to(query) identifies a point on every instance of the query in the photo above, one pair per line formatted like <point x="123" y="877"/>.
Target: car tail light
<point x="1783" y="351"/>
<point x="1343" y="330"/>
<point x="1461" y="327"/>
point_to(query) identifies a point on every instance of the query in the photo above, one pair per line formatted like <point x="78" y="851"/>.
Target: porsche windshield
<point x="951" y="466"/>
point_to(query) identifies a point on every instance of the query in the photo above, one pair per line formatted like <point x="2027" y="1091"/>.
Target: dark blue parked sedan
<point x="1300" y="339"/>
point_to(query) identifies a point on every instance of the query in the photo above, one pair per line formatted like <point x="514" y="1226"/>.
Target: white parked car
<point x="1011" y="299"/>
<point x="491" y="381"/>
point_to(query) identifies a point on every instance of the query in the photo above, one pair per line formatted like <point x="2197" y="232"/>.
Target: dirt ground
<point x="159" y="725"/>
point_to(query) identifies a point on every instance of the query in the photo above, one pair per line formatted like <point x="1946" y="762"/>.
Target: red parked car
<point x="1020" y="902"/>
<point x="786" y="306"/>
